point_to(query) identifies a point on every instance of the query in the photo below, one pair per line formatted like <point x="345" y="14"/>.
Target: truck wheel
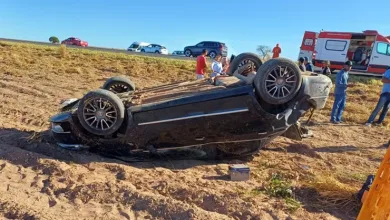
<point x="278" y="80"/>
<point x="243" y="59"/>
<point x="119" y="84"/>
<point x="212" y="54"/>
<point x="101" y="112"/>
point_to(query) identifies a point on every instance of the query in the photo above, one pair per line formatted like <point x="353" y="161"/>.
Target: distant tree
<point x="264" y="52"/>
<point x="54" y="40"/>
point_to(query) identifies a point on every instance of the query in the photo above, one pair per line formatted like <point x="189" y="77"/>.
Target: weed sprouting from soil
<point x="279" y="187"/>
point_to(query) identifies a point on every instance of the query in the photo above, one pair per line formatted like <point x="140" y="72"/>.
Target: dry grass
<point x="334" y="163"/>
<point x="35" y="78"/>
<point x="361" y="100"/>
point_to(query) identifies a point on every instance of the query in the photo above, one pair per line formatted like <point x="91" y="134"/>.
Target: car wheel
<point x="119" y="84"/>
<point x="188" y="53"/>
<point x="143" y="51"/>
<point x="101" y="112"/>
<point x="278" y="80"/>
<point x="157" y="51"/>
<point x="212" y="54"/>
<point x="243" y="59"/>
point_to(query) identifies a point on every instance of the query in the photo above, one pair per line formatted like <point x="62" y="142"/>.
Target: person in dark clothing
<point x="308" y="65"/>
<point x="326" y="69"/>
<point x="301" y="64"/>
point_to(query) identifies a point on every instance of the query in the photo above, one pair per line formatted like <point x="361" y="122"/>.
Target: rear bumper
<point x="317" y="88"/>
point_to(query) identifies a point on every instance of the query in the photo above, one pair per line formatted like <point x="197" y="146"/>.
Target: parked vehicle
<point x="136" y="46"/>
<point x="213" y="47"/>
<point x="154" y="48"/>
<point x="369" y="51"/>
<point x="234" y="118"/>
<point x="75" y="41"/>
<point x="178" y="53"/>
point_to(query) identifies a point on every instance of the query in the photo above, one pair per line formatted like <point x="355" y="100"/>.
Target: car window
<point x="335" y="45"/>
<point x="134" y="46"/>
<point x="201" y="44"/>
<point x="383" y="48"/>
<point x="162" y="47"/>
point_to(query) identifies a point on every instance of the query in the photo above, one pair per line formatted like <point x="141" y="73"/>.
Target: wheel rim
<point x="212" y="55"/>
<point x="100" y="114"/>
<point x="246" y="61"/>
<point x="119" y="88"/>
<point x="280" y="82"/>
<point x="188" y="53"/>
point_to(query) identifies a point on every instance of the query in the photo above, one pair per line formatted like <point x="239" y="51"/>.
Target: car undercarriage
<point x="235" y="118"/>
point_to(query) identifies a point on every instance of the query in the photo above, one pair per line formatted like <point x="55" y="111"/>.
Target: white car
<point x="136" y="46"/>
<point x="155" y="48"/>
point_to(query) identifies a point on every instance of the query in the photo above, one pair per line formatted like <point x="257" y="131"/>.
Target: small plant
<point x="280" y="188"/>
<point x="54" y="40"/>
<point x="62" y="51"/>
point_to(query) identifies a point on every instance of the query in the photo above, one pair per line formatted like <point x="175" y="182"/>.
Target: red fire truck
<point x="369" y="51"/>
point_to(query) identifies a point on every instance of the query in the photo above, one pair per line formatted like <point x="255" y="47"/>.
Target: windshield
<point x="134" y="46"/>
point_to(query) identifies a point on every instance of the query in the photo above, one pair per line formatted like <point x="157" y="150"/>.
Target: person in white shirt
<point x="216" y="66"/>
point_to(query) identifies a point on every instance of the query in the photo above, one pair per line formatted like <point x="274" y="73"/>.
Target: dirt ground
<point x="41" y="181"/>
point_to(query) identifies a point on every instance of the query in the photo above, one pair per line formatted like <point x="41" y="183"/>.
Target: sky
<point x="242" y="25"/>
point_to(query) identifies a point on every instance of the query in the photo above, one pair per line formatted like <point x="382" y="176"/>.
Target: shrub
<point x="54" y="40"/>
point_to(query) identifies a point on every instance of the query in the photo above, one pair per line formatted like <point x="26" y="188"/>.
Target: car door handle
<point x="200" y="139"/>
<point x="376" y="57"/>
<point x="343" y="54"/>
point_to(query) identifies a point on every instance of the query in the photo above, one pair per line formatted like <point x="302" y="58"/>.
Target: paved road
<point x="103" y="49"/>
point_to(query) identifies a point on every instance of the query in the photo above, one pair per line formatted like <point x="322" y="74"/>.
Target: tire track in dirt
<point x="74" y="187"/>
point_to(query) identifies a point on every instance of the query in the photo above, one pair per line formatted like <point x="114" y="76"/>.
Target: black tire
<point x="188" y="53"/>
<point x="143" y="51"/>
<point x="156" y="51"/>
<point x="242" y="59"/>
<point x="108" y="119"/>
<point x="286" y="86"/>
<point x="119" y="84"/>
<point x="212" y="54"/>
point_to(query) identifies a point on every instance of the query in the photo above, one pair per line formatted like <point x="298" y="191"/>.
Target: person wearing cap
<point x="308" y="65"/>
<point x="326" y="69"/>
<point x="276" y="51"/>
<point x="340" y="93"/>
<point x="301" y="64"/>
<point x="383" y="102"/>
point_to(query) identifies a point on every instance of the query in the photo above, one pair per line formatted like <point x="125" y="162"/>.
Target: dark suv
<point x="213" y="48"/>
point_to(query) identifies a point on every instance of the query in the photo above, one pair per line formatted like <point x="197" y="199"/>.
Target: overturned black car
<point x="233" y="117"/>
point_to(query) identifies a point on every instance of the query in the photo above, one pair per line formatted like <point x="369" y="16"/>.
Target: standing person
<point x="383" y="102"/>
<point x="308" y="65"/>
<point x="201" y="65"/>
<point x="276" y="51"/>
<point x="326" y="69"/>
<point x="301" y="64"/>
<point x="340" y="93"/>
<point x="216" y="66"/>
